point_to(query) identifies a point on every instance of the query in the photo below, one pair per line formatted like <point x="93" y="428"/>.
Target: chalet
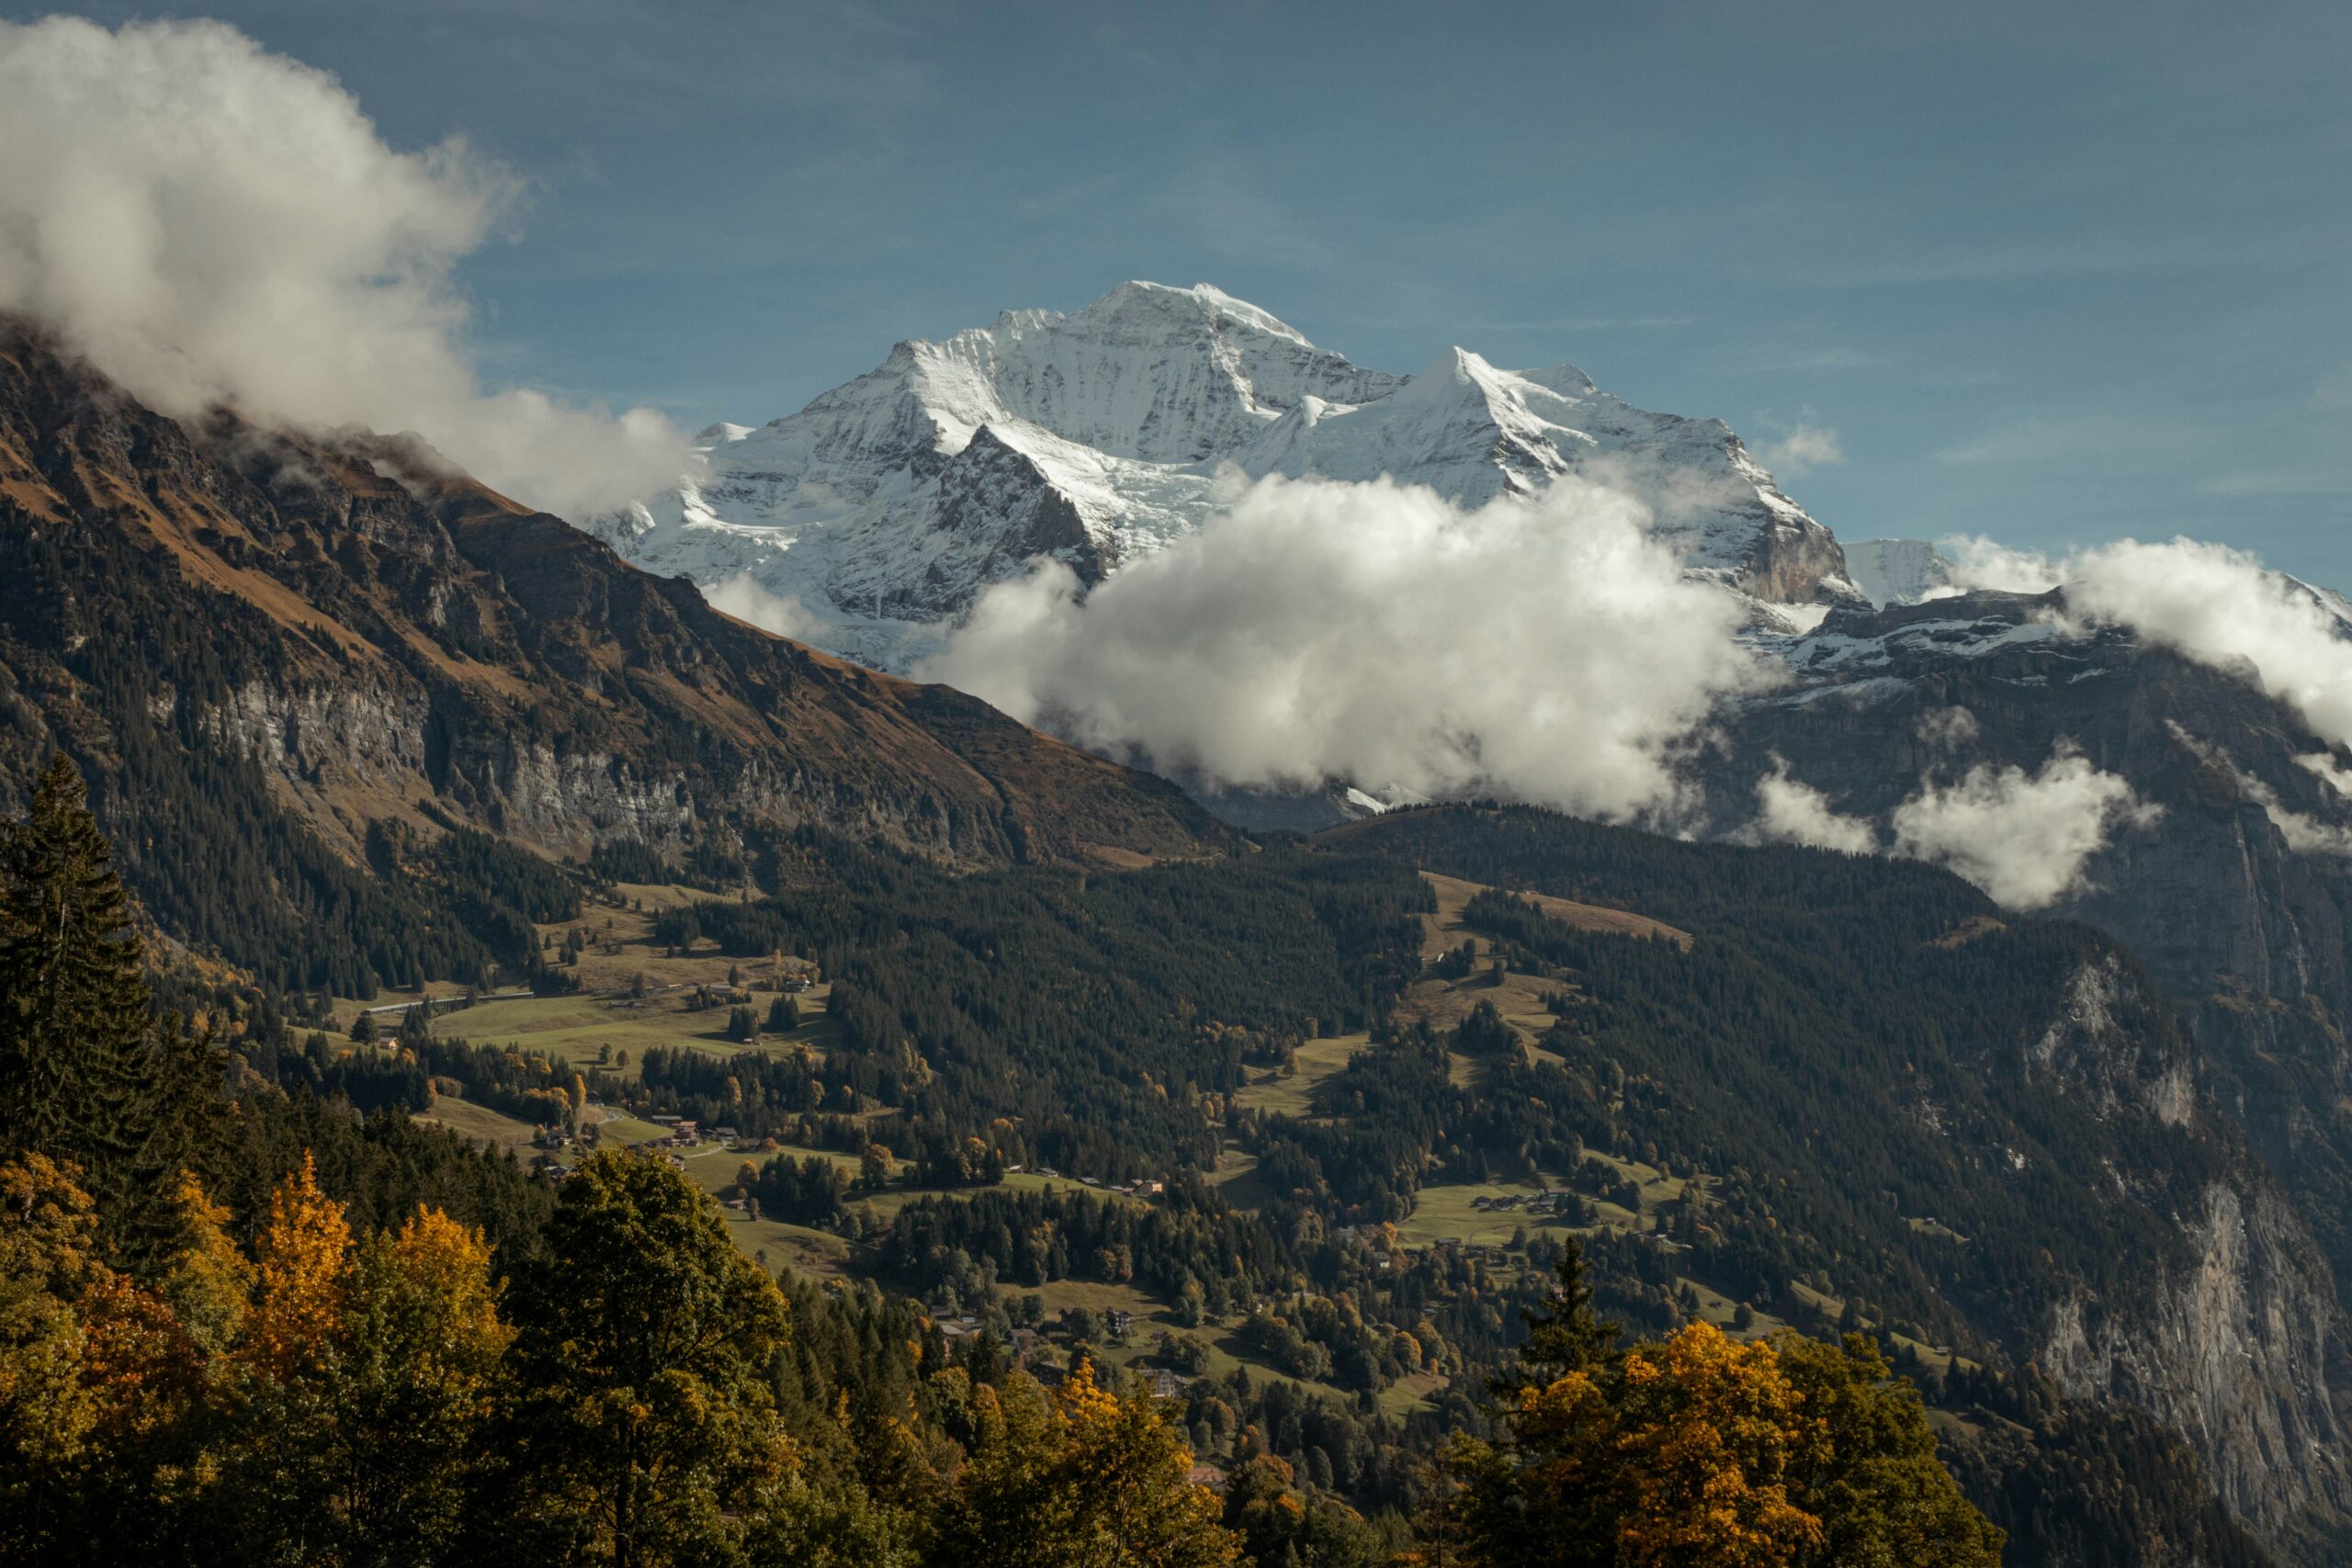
<point x="725" y="1134"/>
<point x="663" y="1120"/>
<point x="1165" y="1384"/>
<point x="1120" y="1320"/>
<point x="686" y="1133"/>
<point x="1149" y="1189"/>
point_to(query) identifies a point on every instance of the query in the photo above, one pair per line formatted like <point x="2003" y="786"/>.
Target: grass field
<point x="579" y="1029"/>
<point x="1444" y="1211"/>
<point x="478" y="1122"/>
<point x="1318" y="1060"/>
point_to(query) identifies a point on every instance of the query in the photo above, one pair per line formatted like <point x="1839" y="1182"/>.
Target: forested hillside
<point x="386" y="1347"/>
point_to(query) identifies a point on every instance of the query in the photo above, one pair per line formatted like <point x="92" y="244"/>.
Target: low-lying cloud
<point x="211" y="223"/>
<point x="1790" y="811"/>
<point x="742" y="597"/>
<point x="2304" y="833"/>
<point x="2208" y="602"/>
<point x="1549" y="649"/>
<point x="2026" y="838"/>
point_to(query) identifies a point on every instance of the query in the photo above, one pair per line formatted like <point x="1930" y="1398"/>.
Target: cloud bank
<point x="209" y="222"/>
<point x="2208" y="602"/>
<point x="1548" y="650"/>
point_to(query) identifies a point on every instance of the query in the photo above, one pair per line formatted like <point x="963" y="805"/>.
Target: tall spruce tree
<point x="87" y="1074"/>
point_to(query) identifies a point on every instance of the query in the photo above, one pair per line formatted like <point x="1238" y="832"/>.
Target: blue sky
<point x="2055" y="274"/>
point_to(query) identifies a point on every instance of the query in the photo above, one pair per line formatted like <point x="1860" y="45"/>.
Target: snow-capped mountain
<point x="1898" y="571"/>
<point x="886" y="505"/>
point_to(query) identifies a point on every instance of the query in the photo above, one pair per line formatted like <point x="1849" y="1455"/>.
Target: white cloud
<point x="1947" y="730"/>
<point x="2208" y="602"/>
<point x="209" y="222"/>
<point x="1792" y="812"/>
<point x="1802" y="450"/>
<point x="2305" y="834"/>
<point x="783" y="613"/>
<point x="2024" y="837"/>
<point x="2338" y="778"/>
<point x="1547" y="649"/>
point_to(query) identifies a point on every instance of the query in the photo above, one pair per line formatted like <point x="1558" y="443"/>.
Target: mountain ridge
<point x="336" y="631"/>
<point x="858" y="507"/>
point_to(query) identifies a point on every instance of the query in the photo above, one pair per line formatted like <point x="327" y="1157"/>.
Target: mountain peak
<point x="1122" y="412"/>
<point x="1137" y="296"/>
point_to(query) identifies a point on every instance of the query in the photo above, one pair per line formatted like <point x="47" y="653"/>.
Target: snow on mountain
<point x="1897" y="571"/>
<point x="886" y="505"/>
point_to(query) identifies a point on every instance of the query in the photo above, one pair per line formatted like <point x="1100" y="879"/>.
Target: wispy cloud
<point x="2078" y="436"/>
<point x="1805" y="449"/>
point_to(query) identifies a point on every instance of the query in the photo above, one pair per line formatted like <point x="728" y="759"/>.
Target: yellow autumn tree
<point x="1703" y="1430"/>
<point x="48" y="1231"/>
<point x="207" y="1280"/>
<point x="1083" y="1478"/>
<point x="301" y="1273"/>
<point x="1698" y="1451"/>
<point x="410" y="1377"/>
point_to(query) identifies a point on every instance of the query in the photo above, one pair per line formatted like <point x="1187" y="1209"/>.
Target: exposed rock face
<point x="2231" y="1342"/>
<point x="2231" y="1352"/>
<point x="888" y="504"/>
<point x="384" y="638"/>
<point x="2247" y="931"/>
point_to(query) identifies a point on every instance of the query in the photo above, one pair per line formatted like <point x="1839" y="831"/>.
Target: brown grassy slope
<point x="389" y="636"/>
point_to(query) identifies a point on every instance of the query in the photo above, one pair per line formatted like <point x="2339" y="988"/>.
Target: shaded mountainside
<point x="265" y="649"/>
<point x="2239" y="898"/>
<point x="1995" y="1126"/>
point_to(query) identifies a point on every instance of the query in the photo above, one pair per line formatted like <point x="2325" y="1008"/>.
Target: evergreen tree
<point x="86" y="1073"/>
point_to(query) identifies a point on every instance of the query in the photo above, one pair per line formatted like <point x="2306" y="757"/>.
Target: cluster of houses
<point x="685" y="1133"/>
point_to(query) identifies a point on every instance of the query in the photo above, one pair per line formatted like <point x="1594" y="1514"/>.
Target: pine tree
<point x="86" y="1073"/>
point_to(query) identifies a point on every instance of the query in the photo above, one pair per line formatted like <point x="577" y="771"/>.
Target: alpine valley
<point x="491" y="829"/>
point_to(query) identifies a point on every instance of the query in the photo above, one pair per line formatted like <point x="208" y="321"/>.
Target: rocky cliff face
<point x="2238" y="897"/>
<point x="2232" y="1341"/>
<point x="888" y="504"/>
<point x="380" y="639"/>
